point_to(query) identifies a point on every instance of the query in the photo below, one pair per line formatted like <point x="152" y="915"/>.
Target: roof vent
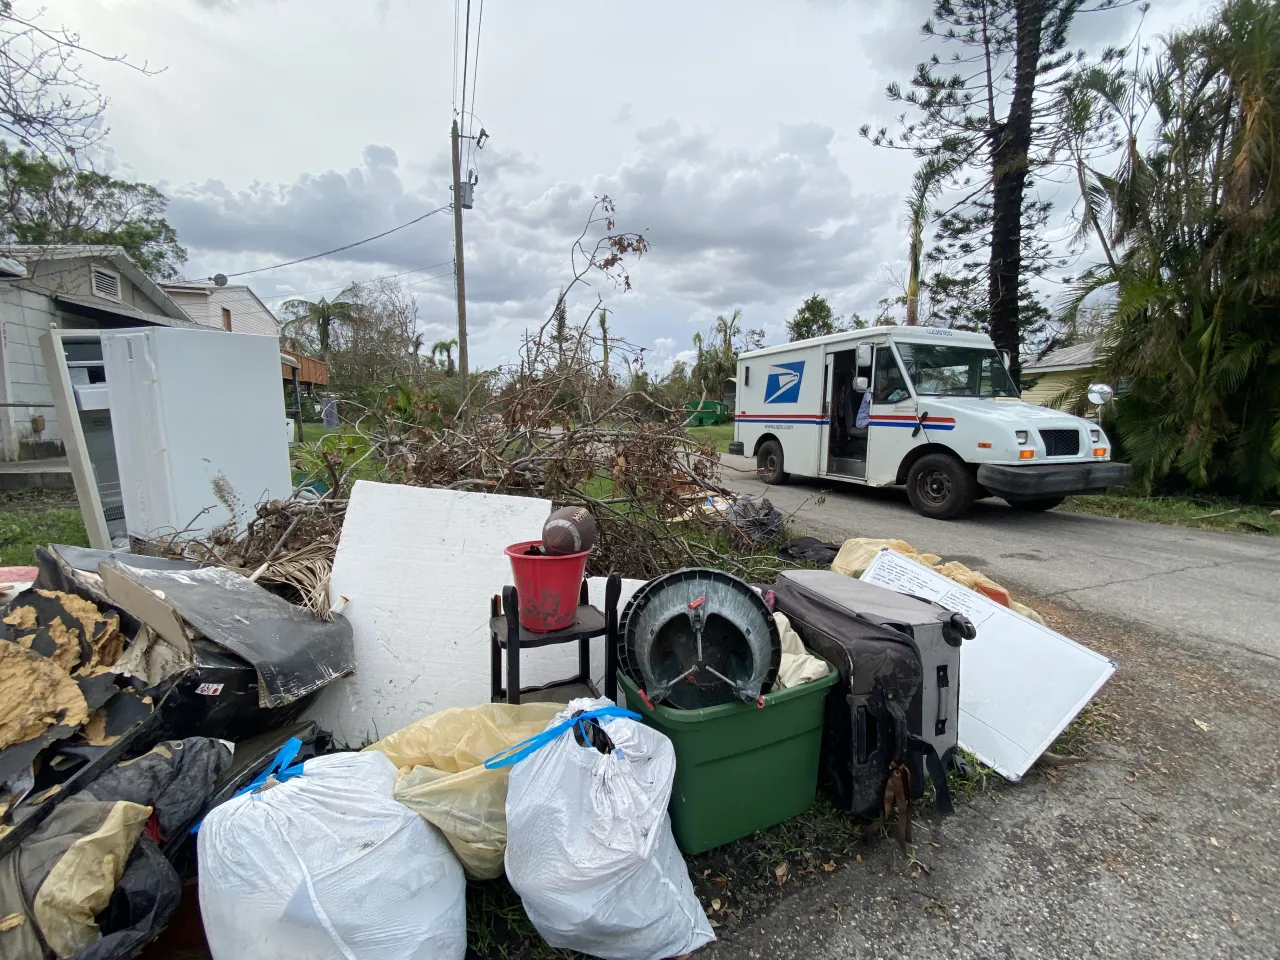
<point x="105" y="284"/>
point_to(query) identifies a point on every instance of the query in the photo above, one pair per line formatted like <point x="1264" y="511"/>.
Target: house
<point x="235" y="308"/>
<point x="238" y="309"/>
<point x="1046" y="378"/>
<point x="73" y="287"/>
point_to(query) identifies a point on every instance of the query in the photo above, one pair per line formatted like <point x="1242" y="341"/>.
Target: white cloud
<point x="726" y="132"/>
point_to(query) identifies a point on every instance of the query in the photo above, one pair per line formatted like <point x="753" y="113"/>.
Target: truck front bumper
<point x="1052" y="479"/>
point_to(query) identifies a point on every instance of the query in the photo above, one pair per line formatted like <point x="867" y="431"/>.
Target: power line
<point x="466" y="46"/>
<point x="349" y="246"/>
<point x="343" y="286"/>
<point x="475" y="79"/>
<point x="456" y="8"/>
<point x="438" y="276"/>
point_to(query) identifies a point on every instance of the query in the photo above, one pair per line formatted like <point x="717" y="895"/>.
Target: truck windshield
<point x="943" y="370"/>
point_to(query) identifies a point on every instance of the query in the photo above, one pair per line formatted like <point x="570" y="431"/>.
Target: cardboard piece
<point x="1020" y="682"/>
<point x="145" y="605"/>
<point x="418" y="567"/>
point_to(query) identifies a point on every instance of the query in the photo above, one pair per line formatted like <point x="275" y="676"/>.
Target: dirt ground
<point x="1161" y="844"/>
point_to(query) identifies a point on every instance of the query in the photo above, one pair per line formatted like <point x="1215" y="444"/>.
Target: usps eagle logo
<point x="783" y="383"/>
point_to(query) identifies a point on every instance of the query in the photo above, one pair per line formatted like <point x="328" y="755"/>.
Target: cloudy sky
<point x="726" y="131"/>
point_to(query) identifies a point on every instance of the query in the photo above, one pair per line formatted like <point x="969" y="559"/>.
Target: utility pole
<point x="461" y="273"/>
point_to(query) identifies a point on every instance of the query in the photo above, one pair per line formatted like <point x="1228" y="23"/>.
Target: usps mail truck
<point x="930" y="408"/>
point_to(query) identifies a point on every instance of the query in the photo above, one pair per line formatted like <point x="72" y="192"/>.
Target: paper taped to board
<point x="1020" y="683"/>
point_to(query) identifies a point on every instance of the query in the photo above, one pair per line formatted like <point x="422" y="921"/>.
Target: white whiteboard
<point x="1020" y="683"/>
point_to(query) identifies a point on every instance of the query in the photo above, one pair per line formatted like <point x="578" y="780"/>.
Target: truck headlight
<point x="1095" y="436"/>
<point x="1021" y="435"/>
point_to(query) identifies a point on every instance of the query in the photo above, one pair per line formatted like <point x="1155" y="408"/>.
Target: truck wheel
<point x="941" y="486"/>
<point x="1036" y="506"/>
<point x="769" y="463"/>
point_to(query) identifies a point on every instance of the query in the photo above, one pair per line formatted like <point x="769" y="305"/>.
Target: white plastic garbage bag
<point x="589" y="844"/>
<point x="327" y="866"/>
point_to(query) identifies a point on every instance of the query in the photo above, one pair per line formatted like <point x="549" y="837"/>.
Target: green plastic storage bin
<point x="739" y="767"/>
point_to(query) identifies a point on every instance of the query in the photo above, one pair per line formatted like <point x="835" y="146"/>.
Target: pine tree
<point x="988" y="114"/>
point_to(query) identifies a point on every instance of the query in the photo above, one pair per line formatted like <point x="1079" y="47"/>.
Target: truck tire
<point x="769" y="463"/>
<point x="940" y="486"/>
<point x="1036" y="506"/>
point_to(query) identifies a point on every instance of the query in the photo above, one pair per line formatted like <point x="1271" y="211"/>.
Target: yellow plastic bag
<point x="857" y="552"/>
<point x="443" y="779"/>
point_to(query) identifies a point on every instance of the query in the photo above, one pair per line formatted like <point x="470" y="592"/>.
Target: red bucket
<point x="547" y="586"/>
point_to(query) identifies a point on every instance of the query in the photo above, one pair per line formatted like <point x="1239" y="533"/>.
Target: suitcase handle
<point x="944" y="682"/>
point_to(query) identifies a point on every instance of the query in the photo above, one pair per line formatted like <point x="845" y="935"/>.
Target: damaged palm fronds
<point x="288" y="544"/>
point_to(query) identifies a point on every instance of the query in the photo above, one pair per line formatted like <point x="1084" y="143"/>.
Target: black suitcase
<point x="899" y="663"/>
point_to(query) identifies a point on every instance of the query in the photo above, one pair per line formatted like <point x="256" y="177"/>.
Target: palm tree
<point x="319" y="319"/>
<point x="926" y="184"/>
<point x="416" y="345"/>
<point x="445" y="347"/>
<point x="728" y="328"/>
<point x="604" y="343"/>
<point x="1194" y="223"/>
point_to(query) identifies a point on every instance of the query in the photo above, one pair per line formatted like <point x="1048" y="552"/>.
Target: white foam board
<point x="418" y="567"/>
<point x="1020" y="683"/>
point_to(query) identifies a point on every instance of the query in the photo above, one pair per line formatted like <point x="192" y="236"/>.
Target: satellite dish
<point x="219" y="279"/>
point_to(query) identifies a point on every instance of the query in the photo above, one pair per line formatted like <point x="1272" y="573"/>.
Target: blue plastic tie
<point x="513" y="755"/>
<point x="280" y="768"/>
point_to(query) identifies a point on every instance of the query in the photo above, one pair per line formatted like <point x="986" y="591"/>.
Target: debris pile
<point x="288" y="544"/>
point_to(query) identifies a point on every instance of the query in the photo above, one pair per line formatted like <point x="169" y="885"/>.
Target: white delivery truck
<point x="930" y="408"/>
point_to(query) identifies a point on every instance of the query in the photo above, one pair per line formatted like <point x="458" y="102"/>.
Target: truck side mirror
<point x="1004" y="356"/>
<point x="860" y="384"/>
<point x="864" y="355"/>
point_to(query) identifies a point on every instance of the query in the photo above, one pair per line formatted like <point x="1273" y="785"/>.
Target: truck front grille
<point x="1061" y="443"/>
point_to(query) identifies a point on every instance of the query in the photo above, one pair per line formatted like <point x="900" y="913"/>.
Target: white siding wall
<point x="24" y="316"/>
<point x="247" y="314"/>
<point x="195" y="304"/>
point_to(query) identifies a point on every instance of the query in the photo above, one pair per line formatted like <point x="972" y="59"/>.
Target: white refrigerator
<point x="197" y="420"/>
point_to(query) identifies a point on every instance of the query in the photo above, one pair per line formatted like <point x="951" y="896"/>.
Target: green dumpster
<point x="707" y="413"/>
<point x="739" y="768"/>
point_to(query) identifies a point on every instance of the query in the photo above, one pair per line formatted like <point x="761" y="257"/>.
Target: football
<point x="569" y="530"/>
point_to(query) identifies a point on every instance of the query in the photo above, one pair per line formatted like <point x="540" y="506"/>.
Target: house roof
<point x="1079" y="357"/>
<point x="34" y="253"/>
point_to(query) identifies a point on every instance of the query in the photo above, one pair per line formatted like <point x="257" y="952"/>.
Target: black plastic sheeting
<point x="759" y="519"/>
<point x="808" y="550"/>
<point x="62" y="567"/>
<point x="294" y="652"/>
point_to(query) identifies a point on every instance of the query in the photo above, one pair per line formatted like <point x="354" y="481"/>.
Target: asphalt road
<point x="1218" y="588"/>
<point x="1162" y="843"/>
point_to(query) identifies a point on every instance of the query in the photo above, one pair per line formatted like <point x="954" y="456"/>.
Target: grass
<point x="1199" y="512"/>
<point x="30" y="521"/>
<point x="1091" y="724"/>
<point x="720" y="434"/>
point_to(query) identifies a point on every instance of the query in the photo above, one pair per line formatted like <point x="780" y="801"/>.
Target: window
<point x="226" y="319"/>
<point x="104" y="283"/>
<point x="951" y="371"/>
<point x="889" y="385"/>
